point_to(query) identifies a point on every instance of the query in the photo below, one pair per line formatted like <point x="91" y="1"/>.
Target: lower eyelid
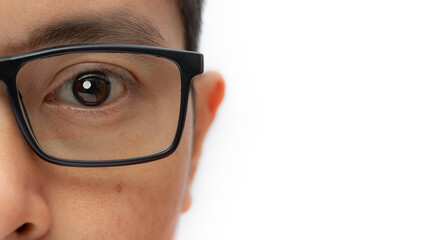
<point x="107" y="106"/>
<point x="101" y="117"/>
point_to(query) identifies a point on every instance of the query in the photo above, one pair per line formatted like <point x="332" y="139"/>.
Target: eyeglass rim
<point x="190" y="64"/>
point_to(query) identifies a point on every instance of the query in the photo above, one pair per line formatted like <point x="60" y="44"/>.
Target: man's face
<point x="39" y="200"/>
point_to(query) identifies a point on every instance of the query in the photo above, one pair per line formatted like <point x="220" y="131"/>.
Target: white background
<point x="323" y="130"/>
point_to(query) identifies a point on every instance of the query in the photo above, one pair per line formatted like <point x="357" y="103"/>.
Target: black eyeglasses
<point x="101" y="105"/>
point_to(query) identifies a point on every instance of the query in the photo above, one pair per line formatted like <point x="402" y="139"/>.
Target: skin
<point x="129" y="202"/>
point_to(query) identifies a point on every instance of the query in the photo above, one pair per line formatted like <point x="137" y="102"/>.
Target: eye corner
<point x="49" y="98"/>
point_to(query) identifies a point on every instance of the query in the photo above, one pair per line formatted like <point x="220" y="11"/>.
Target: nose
<point x="24" y="213"/>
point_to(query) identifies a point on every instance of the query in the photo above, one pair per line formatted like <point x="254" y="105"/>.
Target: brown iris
<point x="91" y="88"/>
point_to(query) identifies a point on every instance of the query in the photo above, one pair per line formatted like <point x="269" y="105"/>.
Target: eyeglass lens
<point x="101" y="106"/>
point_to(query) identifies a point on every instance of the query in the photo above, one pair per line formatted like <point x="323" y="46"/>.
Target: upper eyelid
<point x="116" y="70"/>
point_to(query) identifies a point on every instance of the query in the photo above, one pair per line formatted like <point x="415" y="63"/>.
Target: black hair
<point x="191" y="14"/>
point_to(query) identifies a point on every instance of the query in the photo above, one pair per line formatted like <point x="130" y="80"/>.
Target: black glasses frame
<point x="189" y="63"/>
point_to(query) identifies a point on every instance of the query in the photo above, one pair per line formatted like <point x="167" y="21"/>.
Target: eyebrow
<point x="114" y="27"/>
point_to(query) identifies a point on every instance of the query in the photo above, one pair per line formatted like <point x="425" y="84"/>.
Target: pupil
<point x="91" y="88"/>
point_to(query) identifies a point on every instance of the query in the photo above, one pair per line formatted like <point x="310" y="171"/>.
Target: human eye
<point x="91" y="85"/>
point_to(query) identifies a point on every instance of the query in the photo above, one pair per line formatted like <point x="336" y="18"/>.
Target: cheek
<point x="132" y="202"/>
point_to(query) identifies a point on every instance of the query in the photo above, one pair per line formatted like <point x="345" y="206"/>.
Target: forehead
<point x="19" y="19"/>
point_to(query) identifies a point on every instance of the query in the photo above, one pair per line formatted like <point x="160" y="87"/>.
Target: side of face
<point x="39" y="200"/>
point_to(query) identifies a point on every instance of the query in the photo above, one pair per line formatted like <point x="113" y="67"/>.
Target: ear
<point x="209" y="92"/>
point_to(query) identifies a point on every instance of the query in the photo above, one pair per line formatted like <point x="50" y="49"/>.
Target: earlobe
<point x="187" y="200"/>
<point x="209" y="93"/>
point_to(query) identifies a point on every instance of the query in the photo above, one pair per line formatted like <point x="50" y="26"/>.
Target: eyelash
<point x="114" y="72"/>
